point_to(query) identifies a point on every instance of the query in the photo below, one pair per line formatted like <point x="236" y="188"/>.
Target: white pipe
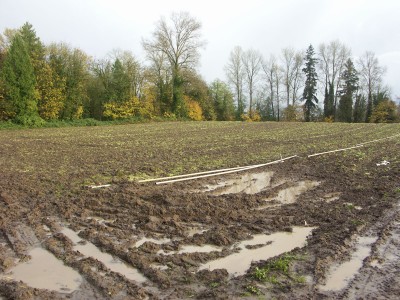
<point x="386" y="138"/>
<point x="227" y="172"/>
<point x="99" y="186"/>
<point x="316" y="154"/>
<point x="188" y="175"/>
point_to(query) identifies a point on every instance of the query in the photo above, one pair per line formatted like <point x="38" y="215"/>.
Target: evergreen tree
<point x="120" y="87"/>
<point x="359" y="109"/>
<point x="19" y="81"/>
<point x="309" y="93"/>
<point x="329" y="101"/>
<point x="34" y="46"/>
<point x="350" y="85"/>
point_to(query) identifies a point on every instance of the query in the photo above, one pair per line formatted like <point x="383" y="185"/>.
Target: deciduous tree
<point x="252" y="65"/>
<point x="371" y="77"/>
<point x="222" y="99"/>
<point x="235" y="73"/>
<point x="180" y="41"/>
<point x="332" y="59"/>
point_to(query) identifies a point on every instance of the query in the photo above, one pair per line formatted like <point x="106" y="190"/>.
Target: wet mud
<point x="333" y="215"/>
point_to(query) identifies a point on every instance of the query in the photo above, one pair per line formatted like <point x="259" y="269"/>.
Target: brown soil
<point x="44" y="181"/>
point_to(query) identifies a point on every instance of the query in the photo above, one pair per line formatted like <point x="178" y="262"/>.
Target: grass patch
<point x="253" y="290"/>
<point x="278" y="270"/>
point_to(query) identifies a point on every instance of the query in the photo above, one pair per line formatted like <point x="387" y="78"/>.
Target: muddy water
<point x="114" y="264"/>
<point x="251" y="183"/>
<point x="192" y="249"/>
<point x="275" y="244"/>
<point x="192" y="231"/>
<point x="340" y="275"/>
<point x="289" y="195"/>
<point x="155" y="241"/>
<point x="45" y="271"/>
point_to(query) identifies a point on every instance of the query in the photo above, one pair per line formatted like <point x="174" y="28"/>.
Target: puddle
<point x="289" y="195"/>
<point x="155" y="241"/>
<point x="375" y="263"/>
<point x="192" y="231"/>
<point x="340" y="275"/>
<point x="275" y="244"/>
<point x="159" y="267"/>
<point x="192" y="249"/>
<point x="45" y="271"/>
<point x="251" y="183"/>
<point x="194" y="228"/>
<point x="114" y="264"/>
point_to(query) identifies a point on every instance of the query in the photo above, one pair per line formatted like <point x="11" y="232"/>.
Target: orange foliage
<point x="194" y="110"/>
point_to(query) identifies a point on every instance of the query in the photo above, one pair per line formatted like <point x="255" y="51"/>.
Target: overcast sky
<point x="98" y="26"/>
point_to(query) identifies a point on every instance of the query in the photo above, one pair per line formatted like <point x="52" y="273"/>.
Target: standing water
<point x="45" y="271"/>
<point x="114" y="264"/>
<point x="275" y="244"/>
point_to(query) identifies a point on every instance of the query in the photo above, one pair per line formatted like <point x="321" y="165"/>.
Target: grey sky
<point x="99" y="26"/>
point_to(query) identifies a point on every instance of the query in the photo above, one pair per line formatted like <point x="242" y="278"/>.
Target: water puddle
<point x="194" y="230"/>
<point x="275" y="244"/>
<point x="289" y="195"/>
<point x="45" y="271"/>
<point x="159" y="267"/>
<point x="192" y="249"/>
<point x="251" y="183"/>
<point x="155" y="241"/>
<point x="340" y="275"/>
<point x="113" y="263"/>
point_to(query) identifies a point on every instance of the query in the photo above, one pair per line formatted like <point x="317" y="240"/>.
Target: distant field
<point x="154" y="149"/>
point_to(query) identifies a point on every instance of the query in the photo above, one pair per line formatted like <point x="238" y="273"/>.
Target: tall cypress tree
<point x="350" y="85"/>
<point x="310" y="87"/>
<point x="19" y="81"/>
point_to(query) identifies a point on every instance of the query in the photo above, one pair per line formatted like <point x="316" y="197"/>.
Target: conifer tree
<point x="310" y="87"/>
<point x="19" y="81"/>
<point x="350" y="79"/>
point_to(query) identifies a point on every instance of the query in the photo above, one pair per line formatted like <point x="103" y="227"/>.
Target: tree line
<point x="40" y="83"/>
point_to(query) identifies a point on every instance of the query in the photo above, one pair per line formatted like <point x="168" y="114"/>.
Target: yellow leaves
<point x="50" y="93"/>
<point x="384" y="112"/>
<point x="256" y="117"/>
<point x="131" y="108"/>
<point x="78" y="113"/>
<point x="115" y="111"/>
<point x="194" y="110"/>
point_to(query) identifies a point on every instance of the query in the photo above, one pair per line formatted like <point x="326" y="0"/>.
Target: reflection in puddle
<point x="114" y="264"/>
<point x="340" y="275"/>
<point x="45" y="271"/>
<point x="192" y="249"/>
<point x="251" y="183"/>
<point x="289" y="195"/>
<point x="155" y="241"/>
<point x="277" y="243"/>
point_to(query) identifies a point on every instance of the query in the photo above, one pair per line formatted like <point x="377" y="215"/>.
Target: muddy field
<point x="77" y="223"/>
